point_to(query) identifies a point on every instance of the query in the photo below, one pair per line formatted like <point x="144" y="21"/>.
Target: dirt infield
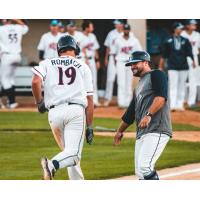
<point x="192" y="136"/>
<point x="186" y="117"/>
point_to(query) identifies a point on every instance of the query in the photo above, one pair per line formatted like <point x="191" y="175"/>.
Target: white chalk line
<point x="189" y="171"/>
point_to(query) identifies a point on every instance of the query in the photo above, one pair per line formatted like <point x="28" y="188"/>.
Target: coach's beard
<point x="136" y="72"/>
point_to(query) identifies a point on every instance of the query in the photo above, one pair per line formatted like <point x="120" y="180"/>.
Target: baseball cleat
<point x="47" y="172"/>
<point x="13" y="105"/>
<point x="2" y="106"/>
<point x="106" y="103"/>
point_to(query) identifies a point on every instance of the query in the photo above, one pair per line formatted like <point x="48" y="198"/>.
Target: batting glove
<point x="41" y="106"/>
<point x="89" y="135"/>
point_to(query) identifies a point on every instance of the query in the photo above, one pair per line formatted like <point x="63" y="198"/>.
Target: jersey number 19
<point x="69" y="73"/>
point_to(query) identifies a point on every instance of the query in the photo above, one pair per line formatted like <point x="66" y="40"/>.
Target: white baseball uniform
<point x="111" y="68"/>
<point x="194" y="73"/>
<point x="48" y="44"/>
<point x="67" y="83"/>
<point x="91" y="44"/>
<point x="123" y="49"/>
<point x="10" y="39"/>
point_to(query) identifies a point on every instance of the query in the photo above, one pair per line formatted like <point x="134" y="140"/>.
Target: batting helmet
<point x="67" y="42"/>
<point x="138" y="56"/>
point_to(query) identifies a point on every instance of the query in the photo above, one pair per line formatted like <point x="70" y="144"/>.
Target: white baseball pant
<point x="8" y="69"/>
<point x="194" y="74"/>
<point x="148" y="149"/>
<point x="111" y="74"/>
<point x="124" y="82"/>
<point x="177" y="83"/>
<point x="93" y="68"/>
<point x="68" y="124"/>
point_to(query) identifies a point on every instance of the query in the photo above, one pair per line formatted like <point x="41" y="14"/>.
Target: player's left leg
<point x="75" y="172"/>
<point x="8" y="77"/>
<point x="73" y="120"/>
<point x="93" y="68"/>
<point x="111" y="74"/>
<point x="129" y="88"/>
<point x="121" y="84"/>
<point x="152" y="147"/>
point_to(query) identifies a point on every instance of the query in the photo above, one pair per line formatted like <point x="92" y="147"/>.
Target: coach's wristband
<point x="149" y="114"/>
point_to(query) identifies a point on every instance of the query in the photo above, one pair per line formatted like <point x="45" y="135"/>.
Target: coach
<point x="150" y="109"/>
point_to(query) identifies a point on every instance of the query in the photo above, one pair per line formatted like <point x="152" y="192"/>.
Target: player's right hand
<point x="41" y="106"/>
<point x="118" y="137"/>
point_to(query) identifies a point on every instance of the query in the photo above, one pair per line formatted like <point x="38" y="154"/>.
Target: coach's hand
<point x="41" y="106"/>
<point x="144" y="122"/>
<point x="118" y="137"/>
<point x="89" y="135"/>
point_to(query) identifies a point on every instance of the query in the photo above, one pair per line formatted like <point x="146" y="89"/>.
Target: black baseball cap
<point x="177" y="25"/>
<point x="138" y="56"/>
<point x="71" y="23"/>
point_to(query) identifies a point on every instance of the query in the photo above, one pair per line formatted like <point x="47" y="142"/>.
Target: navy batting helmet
<point x="67" y="42"/>
<point x="138" y="56"/>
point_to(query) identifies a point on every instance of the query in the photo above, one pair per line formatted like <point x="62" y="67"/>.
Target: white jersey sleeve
<point x="108" y="40"/>
<point x="88" y="81"/>
<point x="40" y="70"/>
<point x="24" y="29"/>
<point x="41" y="45"/>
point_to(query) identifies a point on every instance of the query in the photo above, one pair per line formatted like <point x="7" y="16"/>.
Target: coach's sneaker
<point x="48" y="169"/>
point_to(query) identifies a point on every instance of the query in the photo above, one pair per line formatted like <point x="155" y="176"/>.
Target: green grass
<point x="21" y="151"/>
<point x="36" y="121"/>
<point x="197" y="109"/>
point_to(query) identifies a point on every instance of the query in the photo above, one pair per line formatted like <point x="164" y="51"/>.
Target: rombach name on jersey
<point x="66" y="62"/>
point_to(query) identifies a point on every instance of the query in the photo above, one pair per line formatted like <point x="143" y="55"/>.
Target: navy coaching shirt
<point x="151" y="85"/>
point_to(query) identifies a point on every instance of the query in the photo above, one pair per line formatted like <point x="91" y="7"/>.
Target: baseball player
<point x="194" y="70"/>
<point x="109" y="59"/>
<point x="176" y="50"/>
<point x="47" y="46"/>
<point x="150" y="109"/>
<point x="77" y="35"/>
<point x="124" y="46"/>
<point x="11" y="34"/>
<point x="61" y="27"/>
<point x="1" y="89"/>
<point x="90" y="46"/>
<point x="68" y="95"/>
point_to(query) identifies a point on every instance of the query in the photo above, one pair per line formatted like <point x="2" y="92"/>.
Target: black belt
<point x="53" y="106"/>
<point x="89" y="58"/>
